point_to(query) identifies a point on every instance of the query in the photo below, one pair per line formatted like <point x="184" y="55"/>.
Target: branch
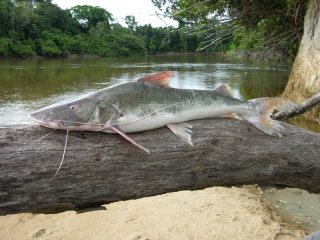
<point x="301" y="108"/>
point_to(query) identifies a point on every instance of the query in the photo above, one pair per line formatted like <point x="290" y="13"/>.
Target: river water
<point x="27" y="85"/>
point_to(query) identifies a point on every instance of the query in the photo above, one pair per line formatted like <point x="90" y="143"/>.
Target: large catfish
<point x="149" y="103"/>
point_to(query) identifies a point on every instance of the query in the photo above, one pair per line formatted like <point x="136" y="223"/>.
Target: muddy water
<point x="296" y="206"/>
<point x="27" y="85"/>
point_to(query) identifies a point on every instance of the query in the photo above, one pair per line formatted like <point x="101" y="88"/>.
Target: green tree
<point x="89" y="16"/>
<point x="54" y="43"/>
<point x="131" y="23"/>
<point x="54" y="17"/>
<point x="6" y="17"/>
<point x="166" y="39"/>
<point x="29" y="27"/>
<point x="22" y="48"/>
<point x="278" y="24"/>
<point x="4" y="47"/>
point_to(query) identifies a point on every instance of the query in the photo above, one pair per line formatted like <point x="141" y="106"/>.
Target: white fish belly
<point x="132" y="123"/>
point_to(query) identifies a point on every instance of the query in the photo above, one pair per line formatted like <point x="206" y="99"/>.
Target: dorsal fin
<point x="160" y="79"/>
<point x="225" y="90"/>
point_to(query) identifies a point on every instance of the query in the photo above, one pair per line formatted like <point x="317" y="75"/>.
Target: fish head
<point x="67" y="115"/>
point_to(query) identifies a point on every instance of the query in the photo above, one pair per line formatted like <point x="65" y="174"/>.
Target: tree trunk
<point x="101" y="168"/>
<point x="304" y="79"/>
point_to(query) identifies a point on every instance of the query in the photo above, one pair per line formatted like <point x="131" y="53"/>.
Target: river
<point x="29" y="84"/>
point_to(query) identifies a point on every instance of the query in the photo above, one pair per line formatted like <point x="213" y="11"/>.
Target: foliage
<point x="25" y="48"/>
<point x="251" y="25"/>
<point x="130" y="45"/>
<point x="53" y="43"/>
<point x="131" y="23"/>
<point x="89" y="16"/>
<point x="79" y="44"/>
<point x="4" y="46"/>
<point x="167" y="39"/>
<point x="38" y="27"/>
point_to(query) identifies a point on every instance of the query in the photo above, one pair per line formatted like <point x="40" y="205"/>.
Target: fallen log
<point x="101" y="168"/>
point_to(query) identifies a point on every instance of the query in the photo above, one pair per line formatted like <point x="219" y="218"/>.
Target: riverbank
<point x="90" y="56"/>
<point x="213" y="213"/>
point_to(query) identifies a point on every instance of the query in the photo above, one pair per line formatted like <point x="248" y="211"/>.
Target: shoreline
<point x="212" y="213"/>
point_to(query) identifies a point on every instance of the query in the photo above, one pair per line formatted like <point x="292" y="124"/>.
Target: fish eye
<point x="73" y="107"/>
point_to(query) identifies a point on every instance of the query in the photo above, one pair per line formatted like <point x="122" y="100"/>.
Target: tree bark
<point x="304" y="79"/>
<point x="101" y="168"/>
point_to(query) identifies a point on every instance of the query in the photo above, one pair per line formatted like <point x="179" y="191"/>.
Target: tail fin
<point x="263" y="109"/>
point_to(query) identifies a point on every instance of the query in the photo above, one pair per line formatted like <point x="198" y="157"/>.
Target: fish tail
<point x="263" y="109"/>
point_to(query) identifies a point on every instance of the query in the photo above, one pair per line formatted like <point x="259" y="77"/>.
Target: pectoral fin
<point x="117" y="130"/>
<point x="182" y="130"/>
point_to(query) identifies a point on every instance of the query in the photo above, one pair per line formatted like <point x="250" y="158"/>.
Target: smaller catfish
<point x="150" y="103"/>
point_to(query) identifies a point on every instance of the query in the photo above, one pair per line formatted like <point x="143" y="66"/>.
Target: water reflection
<point x="305" y="123"/>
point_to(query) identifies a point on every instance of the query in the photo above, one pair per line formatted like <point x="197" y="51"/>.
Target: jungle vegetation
<point x="39" y="27"/>
<point x="264" y="28"/>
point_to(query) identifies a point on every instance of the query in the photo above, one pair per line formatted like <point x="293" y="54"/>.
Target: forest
<point x="39" y="27"/>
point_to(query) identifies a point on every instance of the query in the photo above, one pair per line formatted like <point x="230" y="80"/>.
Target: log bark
<point x="101" y="168"/>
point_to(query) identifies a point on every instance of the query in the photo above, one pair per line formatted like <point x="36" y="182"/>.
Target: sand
<point x="213" y="213"/>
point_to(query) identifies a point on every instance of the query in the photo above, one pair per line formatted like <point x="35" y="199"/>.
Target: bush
<point x="21" y="49"/>
<point x="49" y="48"/>
<point x="54" y="43"/>
<point x="79" y="44"/>
<point x="4" y="47"/>
<point x="110" y="44"/>
<point x="130" y="45"/>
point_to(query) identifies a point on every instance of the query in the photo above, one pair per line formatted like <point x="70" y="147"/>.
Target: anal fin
<point x="182" y="130"/>
<point x="232" y="116"/>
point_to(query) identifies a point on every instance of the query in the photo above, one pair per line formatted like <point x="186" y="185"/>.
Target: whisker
<point x="81" y="123"/>
<point x="64" y="152"/>
<point x="45" y="135"/>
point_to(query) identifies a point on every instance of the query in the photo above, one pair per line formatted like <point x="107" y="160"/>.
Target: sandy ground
<point x="213" y="213"/>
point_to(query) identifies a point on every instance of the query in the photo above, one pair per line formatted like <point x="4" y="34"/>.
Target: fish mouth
<point x="55" y="124"/>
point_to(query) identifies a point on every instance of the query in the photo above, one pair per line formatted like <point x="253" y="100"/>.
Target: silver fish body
<point x="140" y="107"/>
<point x="136" y="106"/>
<point x="148" y="104"/>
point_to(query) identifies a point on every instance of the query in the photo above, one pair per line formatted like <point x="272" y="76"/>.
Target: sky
<point x="143" y="10"/>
